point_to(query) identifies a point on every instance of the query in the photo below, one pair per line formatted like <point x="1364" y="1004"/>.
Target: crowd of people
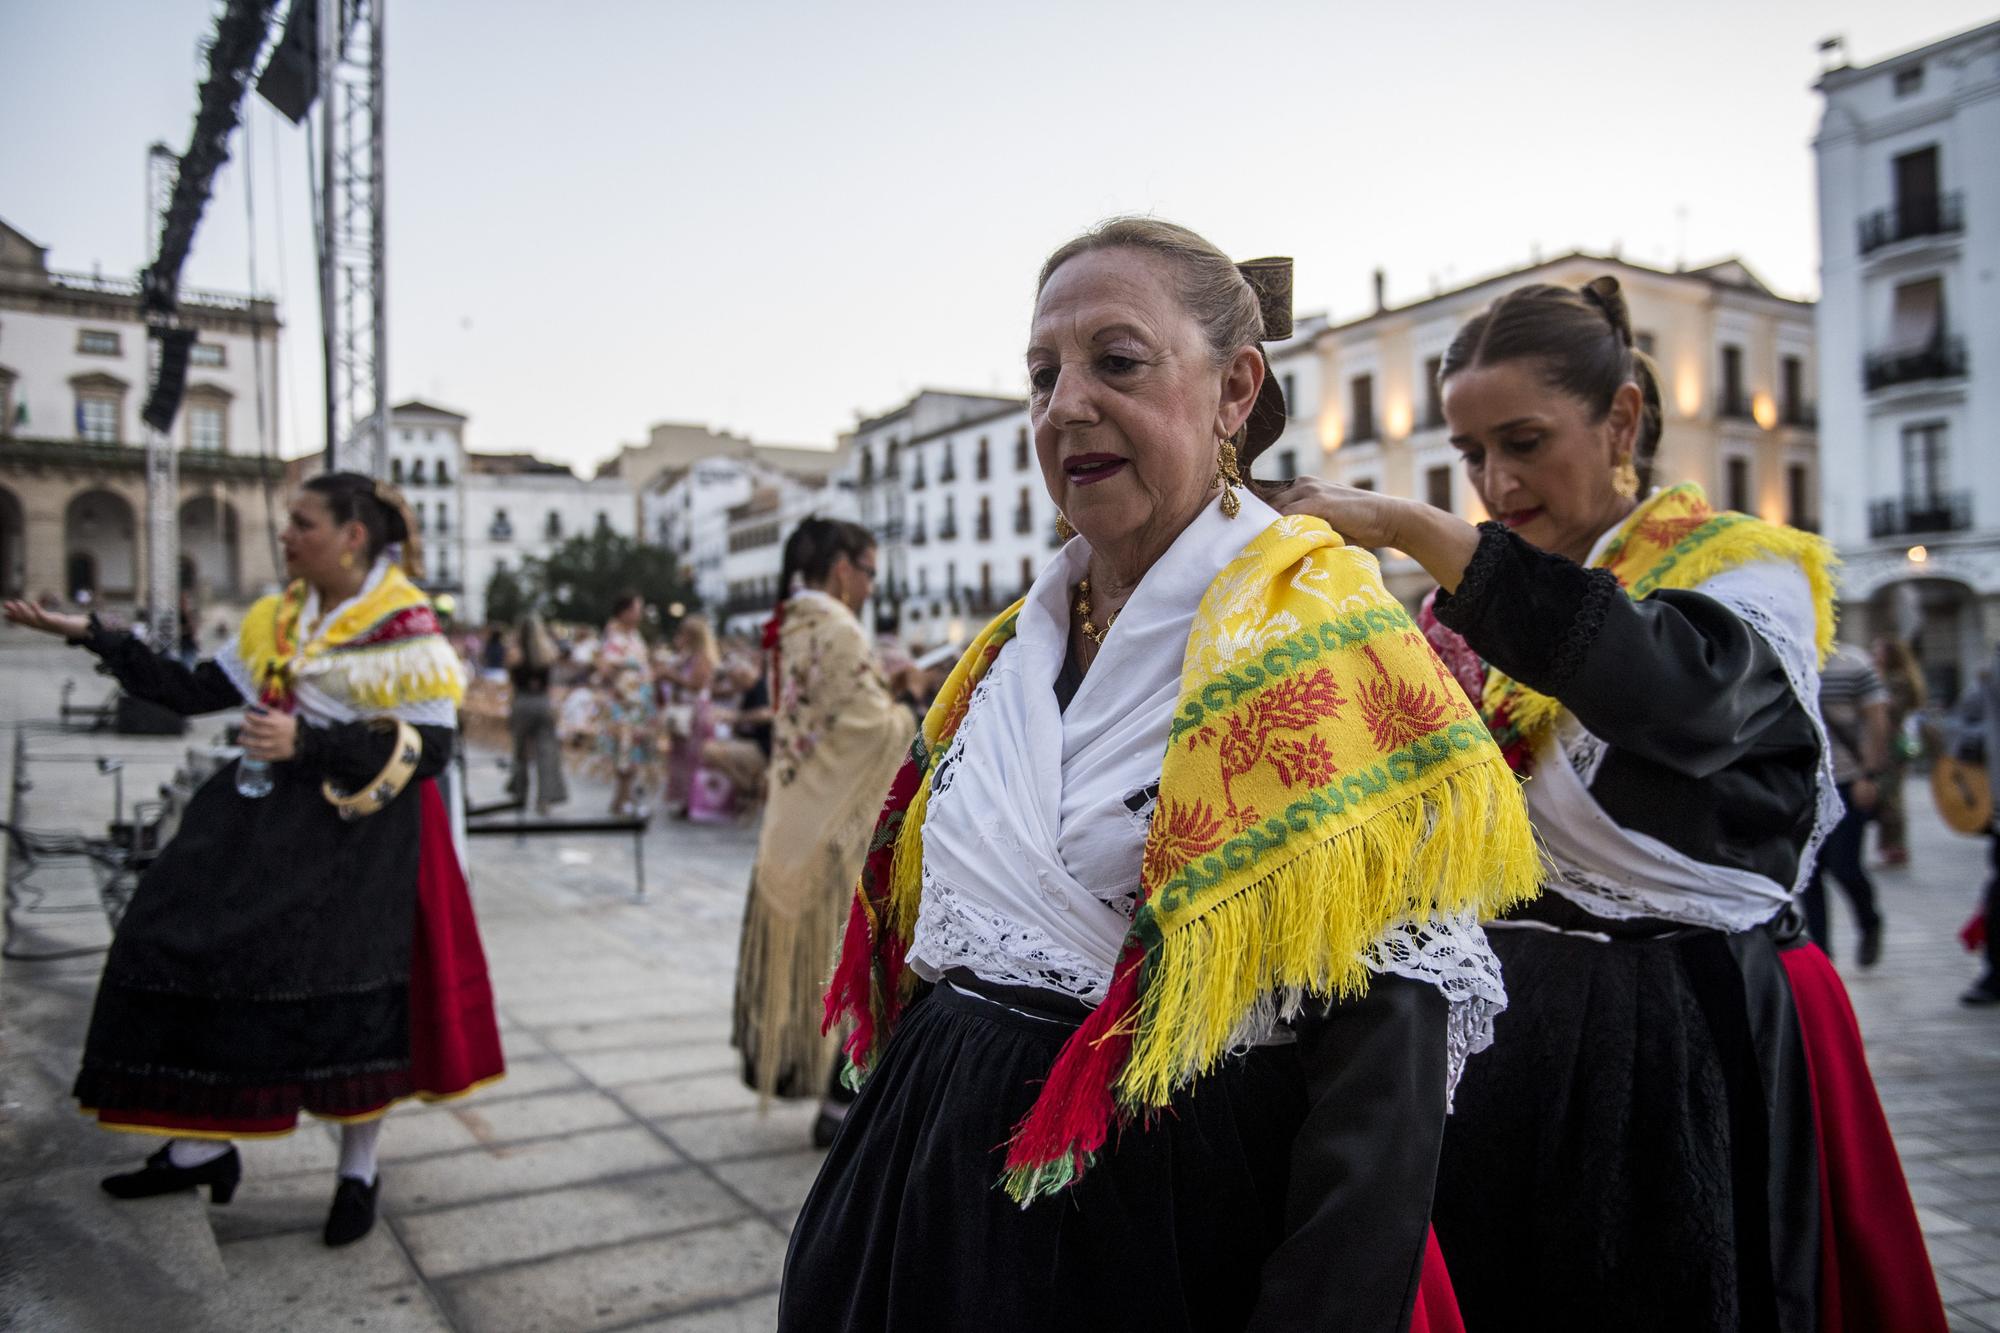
<point x="1218" y="944"/>
<point x="681" y="721"/>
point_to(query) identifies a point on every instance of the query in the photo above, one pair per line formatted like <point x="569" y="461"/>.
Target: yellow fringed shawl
<point x="1325" y="778"/>
<point x="383" y="650"/>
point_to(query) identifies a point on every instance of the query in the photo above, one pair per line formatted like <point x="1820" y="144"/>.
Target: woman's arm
<point x="1363" y="1165"/>
<point x="1678" y="679"/>
<point x="161" y="680"/>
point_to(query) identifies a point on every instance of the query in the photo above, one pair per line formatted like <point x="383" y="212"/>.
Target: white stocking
<point x="357" y="1149"/>
<point x="188" y="1153"/>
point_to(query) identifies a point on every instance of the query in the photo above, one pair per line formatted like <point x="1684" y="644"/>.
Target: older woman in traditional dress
<point x="305" y="942"/>
<point x="837" y="737"/>
<point x="1676" y="1129"/>
<point x="1166" y="954"/>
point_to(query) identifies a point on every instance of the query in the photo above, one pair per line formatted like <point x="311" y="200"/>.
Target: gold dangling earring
<point x="1063" y="530"/>
<point x="1625" y="480"/>
<point x="347" y="559"/>
<point x="1227" y="477"/>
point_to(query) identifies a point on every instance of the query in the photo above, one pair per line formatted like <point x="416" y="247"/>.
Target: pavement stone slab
<point x="534" y="1226"/>
<point x="782" y="1127"/>
<point x="673" y="1030"/>
<point x="759" y="1314"/>
<point x="294" y="1284"/>
<point x="541" y="1115"/>
<point x="693" y="1095"/>
<point x="641" y="1064"/>
<point x="619" y="1284"/>
<point x="777" y="1184"/>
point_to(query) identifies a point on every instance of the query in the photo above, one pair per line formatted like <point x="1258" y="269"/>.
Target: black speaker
<point x="141" y="717"/>
<point x="165" y="399"/>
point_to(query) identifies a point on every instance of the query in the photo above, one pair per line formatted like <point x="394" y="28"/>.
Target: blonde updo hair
<point x="1582" y="339"/>
<point x="1210" y="286"/>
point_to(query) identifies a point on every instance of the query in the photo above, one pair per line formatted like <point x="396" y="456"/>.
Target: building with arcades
<point x="74" y="372"/>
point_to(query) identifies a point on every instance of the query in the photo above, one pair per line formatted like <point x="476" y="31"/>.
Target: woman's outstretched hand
<point x="1362" y="518"/>
<point x="27" y="613"/>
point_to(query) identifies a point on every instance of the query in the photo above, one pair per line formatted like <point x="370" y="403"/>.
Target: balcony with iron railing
<point x="948" y="530"/>
<point x="1941" y="214"/>
<point x="1800" y="416"/>
<point x="36" y="451"/>
<point x="1943" y="359"/>
<point x="1919" y="515"/>
<point x="1024" y="520"/>
<point x="1734" y="406"/>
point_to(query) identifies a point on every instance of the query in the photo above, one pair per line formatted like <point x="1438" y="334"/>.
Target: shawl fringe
<point x="1174" y="1013"/>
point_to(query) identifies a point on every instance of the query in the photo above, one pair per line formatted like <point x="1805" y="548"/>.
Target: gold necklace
<point x="1082" y="609"/>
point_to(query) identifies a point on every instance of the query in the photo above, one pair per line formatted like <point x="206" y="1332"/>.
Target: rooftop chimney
<point x="1381" y="286"/>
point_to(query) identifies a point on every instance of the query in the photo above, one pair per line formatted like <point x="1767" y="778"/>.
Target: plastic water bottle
<point x="253" y="776"/>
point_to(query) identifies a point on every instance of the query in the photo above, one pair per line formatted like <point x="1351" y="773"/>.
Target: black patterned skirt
<point x="1636" y="1151"/>
<point x="907" y="1229"/>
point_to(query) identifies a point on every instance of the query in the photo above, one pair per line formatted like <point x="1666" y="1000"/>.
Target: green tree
<point x="581" y="578"/>
<point x="510" y="594"/>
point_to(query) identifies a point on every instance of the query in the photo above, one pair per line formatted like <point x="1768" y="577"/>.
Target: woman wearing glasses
<point x="838" y="735"/>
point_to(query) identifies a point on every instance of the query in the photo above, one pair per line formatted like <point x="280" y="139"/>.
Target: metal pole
<point x="330" y="25"/>
<point x="378" y="90"/>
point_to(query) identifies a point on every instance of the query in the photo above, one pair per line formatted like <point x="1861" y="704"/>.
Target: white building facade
<point x="949" y="484"/>
<point x="1737" y="360"/>
<point x="518" y="507"/>
<point x="427" y="462"/>
<point x="754" y="536"/>
<point x="1909" y="333"/>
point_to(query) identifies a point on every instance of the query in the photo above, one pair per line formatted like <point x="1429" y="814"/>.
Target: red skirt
<point x="454" y="1040"/>
<point x="1437" y="1304"/>
<point x="1874" y="1270"/>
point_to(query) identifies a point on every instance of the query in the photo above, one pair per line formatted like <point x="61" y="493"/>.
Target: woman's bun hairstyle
<point x="1582" y="338"/>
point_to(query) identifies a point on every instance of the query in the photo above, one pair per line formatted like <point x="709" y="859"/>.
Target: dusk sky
<point x="772" y="217"/>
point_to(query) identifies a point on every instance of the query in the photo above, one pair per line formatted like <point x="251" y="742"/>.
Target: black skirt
<point x="907" y="1229"/>
<point x="1636" y="1150"/>
<point x="263" y="965"/>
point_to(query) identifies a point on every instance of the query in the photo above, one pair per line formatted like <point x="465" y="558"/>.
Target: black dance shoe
<point x="353" y="1213"/>
<point x="161" y="1176"/>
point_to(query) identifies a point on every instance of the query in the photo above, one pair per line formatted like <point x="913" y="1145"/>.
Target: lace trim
<point x="1448" y="952"/>
<point x="1480" y="571"/>
<point x="953" y="932"/>
<point x="1600" y="587"/>
<point x="1617" y="901"/>
<point x="1452" y="954"/>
